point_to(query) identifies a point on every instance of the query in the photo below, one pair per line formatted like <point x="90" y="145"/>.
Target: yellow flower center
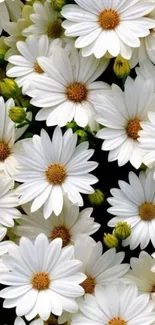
<point x="56" y="174"/>
<point x="76" y="92"/>
<point x="63" y="233"/>
<point x="40" y="281"/>
<point x="54" y="30"/>
<point x="37" y="68"/>
<point x="147" y="211"/>
<point x="117" y="321"/>
<point x="4" y="151"/>
<point x="132" y="128"/>
<point x="88" y="285"/>
<point x="108" y="19"/>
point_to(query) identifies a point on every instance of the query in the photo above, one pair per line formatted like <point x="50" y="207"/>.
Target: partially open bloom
<point x="9" y="9"/>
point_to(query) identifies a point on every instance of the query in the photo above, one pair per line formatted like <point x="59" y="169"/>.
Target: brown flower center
<point x="56" y="174"/>
<point x="132" y="128"/>
<point x="108" y="19"/>
<point x="76" y="92"/>
<point x="147" y="211"/>
<point x="117" y="321"/>
<point x="63" y="233"/>
<point x="54" y="30"/>
<point x="4" y="151"/>
<point x="40" y="281"/>
<point x="88" y="285"/>
<point x="37" y="68"/>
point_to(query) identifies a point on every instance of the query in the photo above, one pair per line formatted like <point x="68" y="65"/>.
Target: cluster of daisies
<point x="54" y="109"/>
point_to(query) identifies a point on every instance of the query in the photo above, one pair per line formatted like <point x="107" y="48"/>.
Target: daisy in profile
<point x="99" y="268"/>
<point x="48" y="171"/>
<point x="25" y="65"/>
<point x="9" y="134"/>
<point x="121" y="115"/>
<point x="9" y="10"/>
<point x="147" y="140"/>
<point x="8" y="203"/>
<point x="112" y="27"/>
<point x="69" y="90"/>
<point x="45" y="21"/>
<point x="43" y="278"/>
<point x="117" y="304"/>
<point x="134" y="203"/>
<point x="141" y="274"/>
<point x="147" y="48"/>
<point x="70" y="225"/>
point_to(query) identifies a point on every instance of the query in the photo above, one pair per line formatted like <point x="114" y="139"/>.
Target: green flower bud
<point x="17" y="114"/>
<point x="96" y="198"/>
<point x="58" y="4"/>
<point x="9" y="88"/>
<point x="83" y="135"/>
<point x="143" y="167"/>
<point x="121" y="67"/>
<point x="122" y="230"/>
<point x="110" y="240"/>
<point x="72" y="125"/>
<point x="2" y="55"/>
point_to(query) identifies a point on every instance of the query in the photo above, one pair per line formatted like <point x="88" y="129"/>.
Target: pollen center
<point x="132" y="128"/>
<point x="63" y="233"/>
<point x="40" y="281"/>
<point x="56" y="174"/>
<point x="117" y="321"/>
<point x="54" y="29"/>
<point x="108" y="19"/>
<point x="37" y="68"/>
<point x="88" y="285"/>
<point x="147" y="211"/>
<point x="4" y="151"/>
<point x="76" y="92"/>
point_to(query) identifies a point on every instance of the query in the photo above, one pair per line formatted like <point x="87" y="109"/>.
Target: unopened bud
<point x="96" y="198"/>
<point x="110" y="240"/>
<point x="9" y="88"/>
<point x="122" y="230"/>
<point x="121" y="67"/>
<point x="17" y="114"/>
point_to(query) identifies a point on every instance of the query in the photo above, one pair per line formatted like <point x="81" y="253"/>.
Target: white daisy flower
<point x="117" y="304"/>
<point x="9" y="134"/>
<point x="14" y="30"/>
<point x="43" y="278"/>
<point x="146" y="70"/>
<point x="141" y="274"/>
<point x="147" y="140"/>
<point x="135" y="204"/>
<point x="20" y="321"/>
<point x="8" y="203"/>
<point x="121" y="115"/>
<point x="4" y="247"/>
<point x="45" y="21"/>
<point x="9" y="10"/>
<point x="99" y="269"/>
<point x="49" y="170"/>
<point x="69" y="225"/>
<point x="113" y="26"/>
<point x="147" y="46"/>
<point x="26" y="65"/>
<point x="69" y="87"/>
